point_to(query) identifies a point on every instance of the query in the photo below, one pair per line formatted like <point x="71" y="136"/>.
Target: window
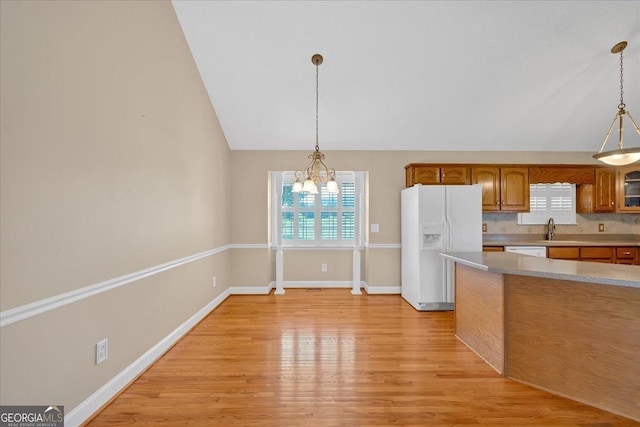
<point x="322" y="219"/>
<point x="557" y="201"/>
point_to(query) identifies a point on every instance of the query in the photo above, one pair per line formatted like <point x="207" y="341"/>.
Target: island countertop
<point x="524" y="265"/>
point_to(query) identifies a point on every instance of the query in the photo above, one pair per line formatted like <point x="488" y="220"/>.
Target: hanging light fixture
<point x="316" y="172"/>
<point x="621" y="156"/>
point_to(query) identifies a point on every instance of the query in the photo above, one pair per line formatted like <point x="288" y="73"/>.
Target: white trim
<point x="93" y="403"/>
<point x="249" y="246"/>
<point x="381" y="290"/>
<point x="26" y="311"/>
<point x="252" y="290"/>
<point x="317" y="284"/>
<point x="317" y="248"/>
<point x="383" y="245"/>
<point x="355" y="280"/>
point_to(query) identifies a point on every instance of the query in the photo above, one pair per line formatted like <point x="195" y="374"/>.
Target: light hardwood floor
<point x="327" y="358"/>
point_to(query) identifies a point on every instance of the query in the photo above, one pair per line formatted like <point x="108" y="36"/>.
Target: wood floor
<point x="327" y="358"/>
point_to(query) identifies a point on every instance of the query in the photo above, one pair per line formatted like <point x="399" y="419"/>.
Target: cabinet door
<point x="426" y="175"/>
<point x="454" y="175"/>
<point x="596" y="254"/>
<point x="629" y="189"/>
<point x="514" y="189"/>
<point x="605" y="190"/>
<point x="626" y="255"/>
<point x="564" y="253"/>
<point x="490" y="179"/>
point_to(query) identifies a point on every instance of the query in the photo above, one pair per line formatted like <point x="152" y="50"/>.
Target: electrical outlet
<point x="484" y="228"/>
<point x="324" y="268"/>
<point x="213" y="281"/>
<point x="102" y="351"/>
<point x="601" y="227"/>
<point x="375" y="228"/>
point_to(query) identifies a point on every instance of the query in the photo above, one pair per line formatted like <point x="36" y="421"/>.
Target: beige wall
<point x="113" y="161"/>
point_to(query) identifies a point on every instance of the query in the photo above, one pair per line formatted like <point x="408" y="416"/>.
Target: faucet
<point x="551" y="229"/>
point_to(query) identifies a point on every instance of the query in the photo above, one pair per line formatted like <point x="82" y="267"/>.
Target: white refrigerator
<point x="437" y="218"/>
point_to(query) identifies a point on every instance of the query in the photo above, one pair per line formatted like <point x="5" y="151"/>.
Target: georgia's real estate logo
<point x="32" y="416"/>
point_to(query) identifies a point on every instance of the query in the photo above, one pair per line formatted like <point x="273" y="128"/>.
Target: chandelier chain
<point x="317" y="146"/>
<point x="622" y="105"/>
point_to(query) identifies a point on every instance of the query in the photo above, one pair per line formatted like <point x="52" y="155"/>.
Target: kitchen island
<point x="568" y="327"/>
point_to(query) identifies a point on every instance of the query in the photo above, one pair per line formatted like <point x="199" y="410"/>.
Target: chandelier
<point x="622" y="156"/>
<point x="316" y="172"/>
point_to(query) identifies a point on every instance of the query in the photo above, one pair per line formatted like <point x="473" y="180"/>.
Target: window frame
<point x="280" y="178"/>
<point x="560" y="217"/>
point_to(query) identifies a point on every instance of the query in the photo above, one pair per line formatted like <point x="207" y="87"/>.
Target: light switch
<point x="375" y="228"/>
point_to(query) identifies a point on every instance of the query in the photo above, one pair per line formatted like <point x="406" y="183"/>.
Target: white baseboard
<point x="317" y="284"/>
<point x="252" y="290"/>
<point x="381" y="290"/>
<point x="93" y="403"/>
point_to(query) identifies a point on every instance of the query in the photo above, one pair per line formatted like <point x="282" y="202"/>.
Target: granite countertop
<point x="561" y="240"/>
<point x="524" y="265"/>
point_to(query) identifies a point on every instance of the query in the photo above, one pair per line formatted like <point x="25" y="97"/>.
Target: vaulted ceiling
<point x="416" y="75"/>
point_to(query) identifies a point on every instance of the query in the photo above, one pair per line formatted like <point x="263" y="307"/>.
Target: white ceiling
<point x="416" y="75"/>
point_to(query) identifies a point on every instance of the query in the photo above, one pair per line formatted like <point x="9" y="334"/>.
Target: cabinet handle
<point x="626" y="253"/>
<point x="612" y="203"/>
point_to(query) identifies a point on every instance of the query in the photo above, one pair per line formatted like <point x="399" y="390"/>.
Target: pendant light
<point x="316" y="172"/>
<point x="622" y="156"/>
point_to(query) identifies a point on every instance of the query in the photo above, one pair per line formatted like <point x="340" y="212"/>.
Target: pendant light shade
<point x="621" y="156"/>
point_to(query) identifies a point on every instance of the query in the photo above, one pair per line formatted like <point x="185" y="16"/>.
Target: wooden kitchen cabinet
<point x="572" y="253"/>
<point x="489" y="178"/>
<point x="627" y="255"/>
<point x="504" y="189"/>
<point x="442" y="175"/>
<point x="514" y="189"/>
<point x="596" y="254"/>
<point x="605" y="190"/>
<point x="607" y="254"/>
<point x="629" y="189"/>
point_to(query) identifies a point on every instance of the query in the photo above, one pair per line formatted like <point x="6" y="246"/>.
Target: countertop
<point x="561" y="240"/>
<point x="524" y="265"/>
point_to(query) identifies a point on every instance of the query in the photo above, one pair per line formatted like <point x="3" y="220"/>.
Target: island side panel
<point x="576" y="339"/>
<point x="479" y="313"/>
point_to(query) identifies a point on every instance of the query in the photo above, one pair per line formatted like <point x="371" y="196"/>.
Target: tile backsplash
<point x="586" y="224"/>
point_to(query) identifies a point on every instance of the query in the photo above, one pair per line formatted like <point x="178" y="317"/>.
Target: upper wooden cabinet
<point x="605" y="190"/>
<point x="599" y="196"/>
<point x="504" y="189"/>
<point x="489" y="177"/>
<point x="514" y="189"/>
<point x="629" y="189"/>
<point x="430" y="174"/>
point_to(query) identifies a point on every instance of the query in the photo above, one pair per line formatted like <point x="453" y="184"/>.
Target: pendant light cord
<point x="622" y="104"/>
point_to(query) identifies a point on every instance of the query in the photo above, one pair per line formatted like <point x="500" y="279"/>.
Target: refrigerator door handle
<point x="447" y="248"/>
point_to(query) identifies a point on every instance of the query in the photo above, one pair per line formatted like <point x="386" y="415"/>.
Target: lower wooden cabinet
<point x="493" y="249"/>
<point x="606" y="254"/>
<point x="597" y="254"/>
<point x="627" y="255"/>
<point x="563" y="253"/>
